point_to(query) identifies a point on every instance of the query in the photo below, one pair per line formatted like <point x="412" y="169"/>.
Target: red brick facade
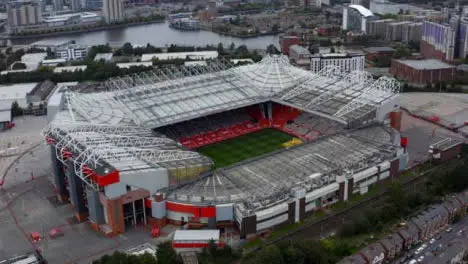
<point x="421" y="76"/>
<point x="428" y="51"/>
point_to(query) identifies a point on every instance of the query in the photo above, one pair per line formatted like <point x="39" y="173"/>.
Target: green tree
<point x="127" y="48"/>
<point x="16" y="110"/>
<point x="232" y="46"/>
<point x="271" y="49"/>
<point x="294" y="255"/>
<point x="332" y="49"/>
<point x="402" y="52"/>
<point x="220" y="48"/>
<point x="271" y="254"/>
<point x="18" y="66"/>
<point x="275" y="28"/>
<point x="166" y="254"/>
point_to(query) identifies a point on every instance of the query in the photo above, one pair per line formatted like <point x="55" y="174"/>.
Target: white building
<point x="112" y="10"/>
<point x="193" y="55"/>
<point x="72" y="52"/>
<point x="346" y="61"/>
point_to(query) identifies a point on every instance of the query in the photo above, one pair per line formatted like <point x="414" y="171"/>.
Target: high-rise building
<point x="75" y="5"/>
<point x="112" y="10"/>
<point x="23" y="13"/>
<point x="438" y="41"/>
<point x="58" y="5"/>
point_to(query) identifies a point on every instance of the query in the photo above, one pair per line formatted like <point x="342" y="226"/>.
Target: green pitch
<point x="244" y="147"/>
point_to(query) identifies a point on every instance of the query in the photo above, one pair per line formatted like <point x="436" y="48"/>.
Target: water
<point x="159" y="35"/>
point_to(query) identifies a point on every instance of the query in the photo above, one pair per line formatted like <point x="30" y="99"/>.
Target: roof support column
<point x="75" y="185"/>
<point x="96" y="210"/>
<point x="59" y="177"/>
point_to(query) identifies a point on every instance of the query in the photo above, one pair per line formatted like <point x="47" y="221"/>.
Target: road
<point x="429" y="253"/>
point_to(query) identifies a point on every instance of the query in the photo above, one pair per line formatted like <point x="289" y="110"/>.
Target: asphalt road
<point x="429" y="252"/>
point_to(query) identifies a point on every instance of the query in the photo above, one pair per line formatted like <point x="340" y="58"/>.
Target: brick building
<point x="422" y="71"/>
<point x="374" y="52"/>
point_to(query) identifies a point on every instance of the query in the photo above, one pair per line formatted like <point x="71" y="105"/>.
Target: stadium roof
<point x="313" y="166"/>
<point x="170" y="95"/>
<point x="113" y="129"/>
<point x="125" y="148"/>
<point x="362" y="10"/>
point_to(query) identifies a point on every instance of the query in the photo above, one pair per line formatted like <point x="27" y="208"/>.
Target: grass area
<point x="244" y="147"/>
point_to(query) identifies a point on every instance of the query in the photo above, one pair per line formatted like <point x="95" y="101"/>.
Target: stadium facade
<point x="128" y="155"/>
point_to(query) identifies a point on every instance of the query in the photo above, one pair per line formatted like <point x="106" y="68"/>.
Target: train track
<point x="329" y="224"/>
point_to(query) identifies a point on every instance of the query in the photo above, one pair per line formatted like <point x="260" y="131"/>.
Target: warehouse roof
<point x="196" y="235"/>
<point x="427" y="64"/>
<point x="16" y="91"/>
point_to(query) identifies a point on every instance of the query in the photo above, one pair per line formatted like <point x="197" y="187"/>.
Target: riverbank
<point x="83" y="30"/>
<point x="241" y="36"/>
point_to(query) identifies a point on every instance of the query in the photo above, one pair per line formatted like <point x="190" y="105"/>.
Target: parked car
<point x="432" y="241"/>
<point x="449" y="230"/>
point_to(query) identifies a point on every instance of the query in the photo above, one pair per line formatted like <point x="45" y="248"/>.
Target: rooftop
<point x="70" y="68"/>
<point x="103" y="56"/>
<point x="426" y="64"/>
<point x="258" y="179"/>
<point x="299" y="49"/>
<point x="378" y="49"/>
<point x="16" y="91"/>
<point x="362" y="10"/>
<point x="198" y="55"/>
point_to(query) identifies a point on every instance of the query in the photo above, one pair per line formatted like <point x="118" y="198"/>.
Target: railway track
<point x="329" y="224"/>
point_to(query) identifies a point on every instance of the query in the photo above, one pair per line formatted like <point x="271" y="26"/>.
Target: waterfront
<point x="158" y="34"/>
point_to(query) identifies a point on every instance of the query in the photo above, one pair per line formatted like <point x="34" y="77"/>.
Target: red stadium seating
<point x="218" y="127"/>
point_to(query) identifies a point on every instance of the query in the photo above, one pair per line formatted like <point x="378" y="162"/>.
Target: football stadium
<point x="251" y="146"/>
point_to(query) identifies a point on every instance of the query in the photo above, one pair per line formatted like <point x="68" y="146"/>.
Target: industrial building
<point x="423" y="71"/>
<point x="128" y="155"/>
<point x="355" y="18"/>
<point x="347" y="62"/>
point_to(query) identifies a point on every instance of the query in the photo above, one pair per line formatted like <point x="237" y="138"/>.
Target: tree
<point x="220" y="48"/>
<point x="242" y="49"/>
<point x="119" y="257"/>
<point x="232" y="46"/>
<point x="294" y="255"/>
<point x="271" y="254"/>
<point x="166" y="254"/>
<point x="402" y="52"/>
<point x="275" y="28"/>
<point x="271" y="49"/>
<point x="332" y="49"/>
<point x="127" y="48"/>
<point x="16" y="110"/>
<point x="18" y="66"/>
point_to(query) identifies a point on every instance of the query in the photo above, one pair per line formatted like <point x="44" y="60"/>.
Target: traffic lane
<point x="445" y="238"/>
